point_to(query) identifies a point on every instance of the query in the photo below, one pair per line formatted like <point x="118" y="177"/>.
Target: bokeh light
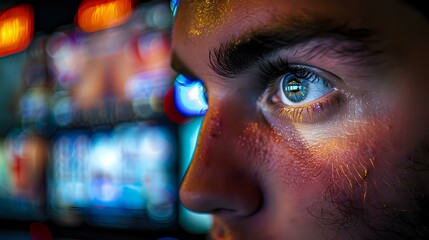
<point x="86" y="141"/>
<point x="95" y="15"/>
<point x="16" y="29"/>
<point x="189" y="96"/>
<point x="174" y="4"/>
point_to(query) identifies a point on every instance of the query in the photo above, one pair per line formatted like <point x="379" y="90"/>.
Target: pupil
<point x="294" y="86"/>
<point x="295" y="89"/>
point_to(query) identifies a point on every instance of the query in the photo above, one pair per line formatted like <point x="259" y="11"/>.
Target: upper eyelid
<point x="326" y="82"/>
<point x="277" y="66"/>
<point x="320" y="72"/>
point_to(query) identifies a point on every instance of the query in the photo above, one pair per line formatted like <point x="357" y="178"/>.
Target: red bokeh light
<point x="170" y="108"/>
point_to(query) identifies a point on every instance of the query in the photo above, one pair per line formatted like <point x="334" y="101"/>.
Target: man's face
<point x="317" y="120"/>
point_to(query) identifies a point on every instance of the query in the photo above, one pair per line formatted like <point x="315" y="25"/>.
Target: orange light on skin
<point x="16" y="29"/>
<point x="95" y="15"/>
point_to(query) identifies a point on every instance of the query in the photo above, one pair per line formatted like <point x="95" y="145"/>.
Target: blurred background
<point x="91" y="143"/>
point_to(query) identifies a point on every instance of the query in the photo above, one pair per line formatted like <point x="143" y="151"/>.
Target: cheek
<point x="362" y="165"/>
<point x="341" y="159"/>
<point x="350" y="159"/>
<point x="359" y="155"/>
<point x="283" y="158"/>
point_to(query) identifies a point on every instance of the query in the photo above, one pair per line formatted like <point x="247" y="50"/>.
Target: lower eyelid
<point x="316" y="111"/>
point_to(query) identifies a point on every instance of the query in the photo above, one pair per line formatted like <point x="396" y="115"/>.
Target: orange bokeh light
<point x="16" y="29"/>
<point x="95" y="15"/>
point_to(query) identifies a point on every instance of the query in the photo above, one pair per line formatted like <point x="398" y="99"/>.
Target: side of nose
<point x="219" y="180"/>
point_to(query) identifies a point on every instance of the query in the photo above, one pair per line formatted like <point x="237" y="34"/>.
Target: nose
<point x="219" y="179"/>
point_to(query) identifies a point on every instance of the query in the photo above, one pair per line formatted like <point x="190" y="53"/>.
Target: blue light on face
<point x="173" y="5"/>
<point x="189" y="97"/>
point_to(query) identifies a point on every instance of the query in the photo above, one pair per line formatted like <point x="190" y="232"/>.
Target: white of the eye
<point x="315" y="90"/>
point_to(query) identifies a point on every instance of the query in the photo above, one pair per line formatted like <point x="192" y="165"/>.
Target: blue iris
<point x="189" y="96"/>
<point x="295" y="89"/>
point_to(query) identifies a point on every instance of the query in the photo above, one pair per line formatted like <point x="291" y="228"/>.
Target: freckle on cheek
<point x="215" y="127"/>
<point x="351" y="161"/>
<point x="291" y="156"/>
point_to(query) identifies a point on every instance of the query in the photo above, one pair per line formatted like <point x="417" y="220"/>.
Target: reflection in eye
<point x="190" y="96"/>
<point x="296" y="88"/>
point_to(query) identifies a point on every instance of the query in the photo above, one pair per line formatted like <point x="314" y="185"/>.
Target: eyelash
<point x="272" y="71"/>
<point x="312" y="113"/>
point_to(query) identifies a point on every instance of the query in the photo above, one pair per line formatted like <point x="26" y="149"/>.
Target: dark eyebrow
<point x="238" y="54"/>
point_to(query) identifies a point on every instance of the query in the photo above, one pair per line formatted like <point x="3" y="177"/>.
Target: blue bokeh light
<point x="189" y="96"/>
<point x="173" y="5"/>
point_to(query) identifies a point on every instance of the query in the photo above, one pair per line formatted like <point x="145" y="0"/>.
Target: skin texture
<point x="354" y="170"/>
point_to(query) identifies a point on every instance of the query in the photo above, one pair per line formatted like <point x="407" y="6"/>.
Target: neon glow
<point x="95" y="15"/>
<point x="16" y="29"/>
<point x="173" y="5"/>
<point x="189" y="97"/>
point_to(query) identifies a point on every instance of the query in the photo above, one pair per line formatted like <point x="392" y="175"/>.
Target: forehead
<point x="207" y="16"/>
<point x="202" y="25"/>
<point x="200" y="19"/>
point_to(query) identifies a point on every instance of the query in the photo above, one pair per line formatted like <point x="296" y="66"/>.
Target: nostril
<point x="203" y="201"/>
<point x="222" y="211"/>
<point x="225" y="202"/>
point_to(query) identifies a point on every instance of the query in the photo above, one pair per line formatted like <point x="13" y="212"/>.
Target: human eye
<point x="190" y="96"/>
<point x="301" y="88"/>
<point x="302" y="93"/>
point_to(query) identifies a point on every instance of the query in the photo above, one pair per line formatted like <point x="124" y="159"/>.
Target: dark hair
<point x="421" y="6"/>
